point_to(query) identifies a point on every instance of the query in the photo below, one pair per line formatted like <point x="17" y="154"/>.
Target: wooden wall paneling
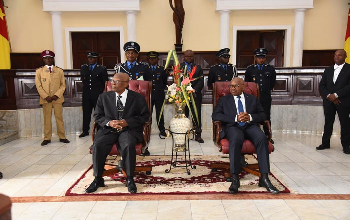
<point x="282" y="91"/>
<point x="318" y="57"/>
<point x="8" y="98"/>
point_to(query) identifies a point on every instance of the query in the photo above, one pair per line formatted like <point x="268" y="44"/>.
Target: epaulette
<point x="117" y="66"/>
<point x="229" y="64"/>
<point x="58" y="67"/>
<point x="84" y="65"/>
<point x="144" y="63"/>
<point x="39" y="67"/>
<point x="252" y="65"/>
<point x="215" y="65"/>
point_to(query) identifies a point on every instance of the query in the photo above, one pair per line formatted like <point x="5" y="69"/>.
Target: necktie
<point x="131" y="66"/>
<point x="153" y="68"/>
<point x="120" y="108"/>
<point x="240" y="109"/>
<point x="225" y="67"/>
<point x="90" y="68"/>
<point x="50" y="69"/>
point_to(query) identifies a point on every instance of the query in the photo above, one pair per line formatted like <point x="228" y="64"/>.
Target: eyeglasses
<point x="234" y="86"/>
<point x="117" y="81"/>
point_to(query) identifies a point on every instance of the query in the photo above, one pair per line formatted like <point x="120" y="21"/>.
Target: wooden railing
<point x="294" y="86"/>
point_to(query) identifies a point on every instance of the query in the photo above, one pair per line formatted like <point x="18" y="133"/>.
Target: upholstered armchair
<point x="145" y="89"/>
<point x="221" y="89"/>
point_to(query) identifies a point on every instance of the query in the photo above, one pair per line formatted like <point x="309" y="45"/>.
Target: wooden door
<point x="248" y="41"/>
<point x="107" y="44"/>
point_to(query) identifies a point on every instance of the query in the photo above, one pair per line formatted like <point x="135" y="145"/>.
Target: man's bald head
<point x="340" y="56"/>
<point x="122" y="76"/>
<point x="188" y="56"/>
<point x="236" y="86"/>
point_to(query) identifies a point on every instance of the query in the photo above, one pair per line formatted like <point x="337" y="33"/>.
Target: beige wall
<point x="30" y="28"/>
<point x="325" y="25"/>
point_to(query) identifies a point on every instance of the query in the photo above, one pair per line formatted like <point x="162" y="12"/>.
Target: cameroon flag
<point x="5" y="62"/>
<point x="347" y="40"/>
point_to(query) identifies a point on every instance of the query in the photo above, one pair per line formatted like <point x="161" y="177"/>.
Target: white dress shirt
<point x="243" y="103"/>
<point x="123" y="99"/>
<point x="337" y="69"/>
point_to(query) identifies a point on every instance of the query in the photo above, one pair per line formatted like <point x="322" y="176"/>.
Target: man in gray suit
<point x="120" y="115"/>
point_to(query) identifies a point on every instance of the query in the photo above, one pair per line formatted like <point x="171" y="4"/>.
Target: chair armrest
<point x="268" y="125"/>
<point x="216" y="132"/>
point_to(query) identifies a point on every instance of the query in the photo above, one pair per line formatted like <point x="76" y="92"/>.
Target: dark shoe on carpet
<point x="84" y="134"/>
<point x="272" y="141"/>
<point x="234" y="186"/>
<point x="130" y="183"/>
<point x="45" y="142"/>
<point x="322" y="147"/>
<point x="95" y="184"/>
<point x="346" y="150"/>
<point x="268" y="185"/>
<point x="146" y="153"/>
<point x="162" y="133"/>
<point x="65" y="141"/>
<point x="199" y="139"/>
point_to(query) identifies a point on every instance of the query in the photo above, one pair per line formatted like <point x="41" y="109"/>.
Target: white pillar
<point x="131" y="25"/>
<point x="224" y="28"/>
<point x="298" y="37"/>
<point x="57" y="38"/>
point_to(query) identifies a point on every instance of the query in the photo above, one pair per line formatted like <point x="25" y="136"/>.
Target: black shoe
<point x="234" y="186"/>
<point x="268" y="185"/>
<point x="322" y="147"/>
<point x="130" y="183"/>
<point x="162" y="133"/>
<point x="45" y="142"/>
<point x="272" y="141"/>
<point x="95" y="184"/>
<point x="65" y="141"/>
<point x="346" y="150"/>
<point x="146" y="153"/>
<point x="1" y="175"/>
<point x="84" y="134"/>
<point x="199" y="139"/>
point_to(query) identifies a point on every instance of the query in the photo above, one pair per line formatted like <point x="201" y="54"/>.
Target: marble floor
<point x="31" y="170"/>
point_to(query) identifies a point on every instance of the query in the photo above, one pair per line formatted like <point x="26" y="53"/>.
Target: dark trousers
<point x="343" y="114"/>
<point x="89" y="103"/>
<point x="196" y="125"/>
<point x="126" y="146"/>
<point x="265" y="101"/>
<point x="159" y="104"/>
<point x="236" y="136"/>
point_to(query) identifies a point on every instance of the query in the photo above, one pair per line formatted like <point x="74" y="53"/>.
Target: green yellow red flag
<point x="5" y="62"/>
<point x="347" y="39"/>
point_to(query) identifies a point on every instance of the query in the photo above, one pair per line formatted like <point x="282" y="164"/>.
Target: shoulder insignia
<point x="253" y="65"/>
<point x="40" y="67"/>
<point x="58" y="67"/>
<point x="84" y="65"/>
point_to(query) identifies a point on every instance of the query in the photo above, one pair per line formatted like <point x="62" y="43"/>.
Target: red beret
<point x="47" y="53"/>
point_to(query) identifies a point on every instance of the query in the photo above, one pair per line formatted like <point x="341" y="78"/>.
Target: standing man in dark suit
<point x="239" y="114"/>
<point x="197" y="85"/>
<point x="120" y="115"/>
<point x="223" y="71"/>
<point x="94" y="78"/>
<point x="134" y="69"/>
<point x="265" y="76"/>
<point x="158" y="76"/>
<point x="335" y="91"/>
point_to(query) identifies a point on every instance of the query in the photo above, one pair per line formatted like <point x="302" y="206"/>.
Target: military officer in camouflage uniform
<point x="134" y="69"/>
<point x="94" y="78"/>
<point x="158" y="76"/>
<point x="265" y="76"/>
<point x="223" y="71"/>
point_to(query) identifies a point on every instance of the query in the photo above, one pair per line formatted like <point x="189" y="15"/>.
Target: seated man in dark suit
<point x="239" y="114"/>
<point x="120" y="115"/>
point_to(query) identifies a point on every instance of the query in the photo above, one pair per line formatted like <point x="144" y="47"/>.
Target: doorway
<point x="248" y="41"/>
<point x="107" y="44"/>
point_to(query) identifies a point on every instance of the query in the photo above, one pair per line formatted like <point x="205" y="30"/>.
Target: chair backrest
<point x="139" y="86"/>
<point x="222" y="88"/>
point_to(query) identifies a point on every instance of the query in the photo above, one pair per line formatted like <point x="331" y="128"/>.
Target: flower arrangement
<point x="181" y="91"/>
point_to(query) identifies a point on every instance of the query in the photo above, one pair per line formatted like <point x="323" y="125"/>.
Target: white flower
<point x="189" y="88"/>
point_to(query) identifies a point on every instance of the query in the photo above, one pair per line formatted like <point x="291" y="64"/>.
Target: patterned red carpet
<point x="200" y="181"/>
